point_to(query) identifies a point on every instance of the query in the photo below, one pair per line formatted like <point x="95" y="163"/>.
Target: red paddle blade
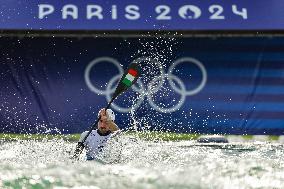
<point x="129" y="77"/>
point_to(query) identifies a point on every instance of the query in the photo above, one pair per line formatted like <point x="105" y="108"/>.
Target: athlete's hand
<point x="104" y="116"/>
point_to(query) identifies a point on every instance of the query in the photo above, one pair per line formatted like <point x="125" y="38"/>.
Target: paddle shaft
<point x="122" y="86"/>
<point x="95" y="124"/>
<point x="80" y="146"/>
<point x="118" y="91"/>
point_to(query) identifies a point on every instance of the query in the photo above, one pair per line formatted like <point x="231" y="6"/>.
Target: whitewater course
<point x="130" y="162"/>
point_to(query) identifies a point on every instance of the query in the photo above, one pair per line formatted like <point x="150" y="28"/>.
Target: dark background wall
<point x="220" y="85"/>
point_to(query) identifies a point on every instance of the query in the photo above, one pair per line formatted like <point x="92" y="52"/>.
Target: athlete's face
<point x="103" y="126"/>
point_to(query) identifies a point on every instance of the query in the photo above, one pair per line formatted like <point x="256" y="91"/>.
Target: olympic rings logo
<point x="144" y="92"/>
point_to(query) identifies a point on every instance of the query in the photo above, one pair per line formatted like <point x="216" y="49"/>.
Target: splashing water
<point x="155" y="60"/>
<point x="134" y="163"/>
<point x="129" y="162"/>
<point x="157" y="100"/>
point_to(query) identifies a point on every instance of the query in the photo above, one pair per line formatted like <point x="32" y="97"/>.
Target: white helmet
<point x="110" y="115"/>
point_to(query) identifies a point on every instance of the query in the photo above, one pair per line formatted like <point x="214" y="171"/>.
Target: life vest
<point x="95" y="142"/>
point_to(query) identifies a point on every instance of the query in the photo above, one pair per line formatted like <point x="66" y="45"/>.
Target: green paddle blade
<point x="129" y="77"/>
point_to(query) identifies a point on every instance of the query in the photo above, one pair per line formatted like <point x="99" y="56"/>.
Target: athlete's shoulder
<point x="84" y="134"/>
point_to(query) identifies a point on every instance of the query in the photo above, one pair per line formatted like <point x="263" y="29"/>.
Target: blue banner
<point x="205" y="85"/>
<point x="139" y="15"/>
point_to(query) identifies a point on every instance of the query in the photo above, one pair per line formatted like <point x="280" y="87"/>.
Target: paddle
<point x="129" y="77"/>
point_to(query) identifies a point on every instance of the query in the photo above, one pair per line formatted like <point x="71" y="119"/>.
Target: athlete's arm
<point x="105" y="117"/>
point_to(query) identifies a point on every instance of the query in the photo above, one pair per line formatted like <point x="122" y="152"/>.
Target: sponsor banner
<point x="138" y="15"/>
<point x="204" y="85"/>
